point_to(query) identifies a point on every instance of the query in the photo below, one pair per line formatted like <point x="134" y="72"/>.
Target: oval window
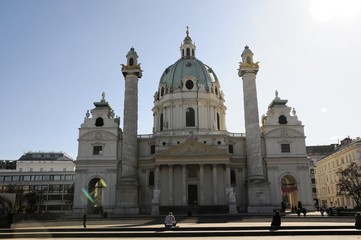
<point x="189" y="84"/>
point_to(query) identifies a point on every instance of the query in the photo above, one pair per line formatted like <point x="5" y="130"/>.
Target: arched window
<point x="188" y="52"/>
<point x="216" y="90"/>
<point x="152" y="149"/>
<point x="162" y="91"/>
<point x="218" y="122"/>
<point x="190" y="117"/>
<point x="248" y="60"/>
<point x="230" y="148"/>
<point x="99" y="122"/>
<point x="182" y="52"/>
<point x="161" y="122"/>
<point x="282" y="120"/>
<point x="131" y="62"/>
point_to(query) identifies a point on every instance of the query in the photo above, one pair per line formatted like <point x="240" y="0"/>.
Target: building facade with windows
<point x="49" y="175"/>
<point x="190" y="161"/>
<point x="327" y="178"/>
<point x="316" y="153"/>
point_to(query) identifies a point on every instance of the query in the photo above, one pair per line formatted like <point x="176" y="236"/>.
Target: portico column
<point x="156" y="177"/>
<point x="201" y="183"/>
<point x="215" y="199"/>
<point x="170" y="178"/>
<point x="228" y="176"/>
<point x="156" y="192"/>
<point x="184" y="185"/>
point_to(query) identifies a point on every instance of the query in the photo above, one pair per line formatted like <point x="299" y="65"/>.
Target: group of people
<point x="276" y="220"/>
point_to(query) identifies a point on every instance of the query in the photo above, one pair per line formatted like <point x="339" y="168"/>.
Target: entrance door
<point x="95" y="196"/>
<point x="192" y="195"/>
<point x="289" y="193"/>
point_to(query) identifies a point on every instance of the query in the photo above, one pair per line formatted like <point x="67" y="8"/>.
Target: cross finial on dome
<point x="187" y="32"/>
<point x="103" y="96"/>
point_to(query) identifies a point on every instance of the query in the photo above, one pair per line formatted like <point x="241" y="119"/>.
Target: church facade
<point x="190" y="162"/>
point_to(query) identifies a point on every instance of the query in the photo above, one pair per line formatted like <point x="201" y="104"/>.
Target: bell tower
<point x="127" y="189"/>
<point x="258" y="188"/>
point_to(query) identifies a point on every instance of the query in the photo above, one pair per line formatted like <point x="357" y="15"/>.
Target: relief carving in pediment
<point x="98" y="135"/>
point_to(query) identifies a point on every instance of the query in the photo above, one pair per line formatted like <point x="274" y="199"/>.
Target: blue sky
<point x="57" y="57"/>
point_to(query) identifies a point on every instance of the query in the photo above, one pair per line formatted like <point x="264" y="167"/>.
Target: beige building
<point x="316" y="153"/>
<point x="326" y="177"/>
<point x="190" y="161"/>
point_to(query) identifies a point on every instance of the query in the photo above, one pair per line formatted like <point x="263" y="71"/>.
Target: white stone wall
<point x="103" y="165"/>
<point x="280" y="164"/>
<point x="88" y="170"/>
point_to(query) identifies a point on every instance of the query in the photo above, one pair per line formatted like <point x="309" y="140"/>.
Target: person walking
<point x="84" y="220"/>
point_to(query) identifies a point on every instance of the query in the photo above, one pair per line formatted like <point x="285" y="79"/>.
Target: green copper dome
<point x="188" y="67"/>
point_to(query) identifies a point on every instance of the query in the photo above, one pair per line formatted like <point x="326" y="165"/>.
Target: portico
<point x="192" y="174"/>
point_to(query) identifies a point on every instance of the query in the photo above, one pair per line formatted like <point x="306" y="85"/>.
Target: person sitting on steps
<point x="170" y="221"/>
<point x="276" y="221"/>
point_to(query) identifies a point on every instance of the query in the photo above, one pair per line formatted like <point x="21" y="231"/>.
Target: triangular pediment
<point x="192" y="148"/>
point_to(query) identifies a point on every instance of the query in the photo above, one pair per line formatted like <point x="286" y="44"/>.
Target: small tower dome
<point x="247" y="55"/>
<point x="132" y="66"/>
<point x="132" y="57"/>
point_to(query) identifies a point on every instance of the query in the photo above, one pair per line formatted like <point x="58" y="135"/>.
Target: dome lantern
<point x="187" y="48"/>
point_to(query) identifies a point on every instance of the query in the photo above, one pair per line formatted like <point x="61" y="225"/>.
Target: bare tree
<point x="349" y="182"/>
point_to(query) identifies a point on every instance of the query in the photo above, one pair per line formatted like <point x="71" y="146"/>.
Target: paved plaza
<point x="215" y="227"/>
<point x="238" y="220"/>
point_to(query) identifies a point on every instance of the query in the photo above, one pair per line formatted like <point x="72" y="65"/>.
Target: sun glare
<point x="325" y="10"/>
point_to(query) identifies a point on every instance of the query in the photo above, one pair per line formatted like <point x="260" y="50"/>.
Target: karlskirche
<point x="190" y="162"/>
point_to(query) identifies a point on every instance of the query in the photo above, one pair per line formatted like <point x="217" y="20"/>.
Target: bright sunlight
<point x="325" y="10"/>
